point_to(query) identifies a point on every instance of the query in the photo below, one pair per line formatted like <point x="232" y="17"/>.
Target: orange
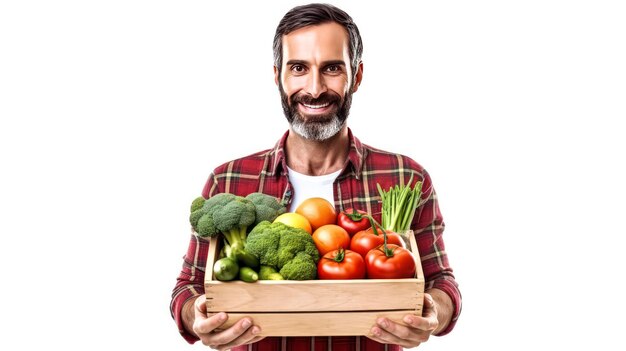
<point x="331" y="237"/>
<point x="295" y="220"/>
<point x="318" y="211"/>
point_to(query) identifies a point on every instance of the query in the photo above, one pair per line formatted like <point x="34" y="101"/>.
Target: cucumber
<point x="269" y="273"/>
<point x="248" y="274"/>
<point x="245" y="258"/>
<point x="225" y="269"/>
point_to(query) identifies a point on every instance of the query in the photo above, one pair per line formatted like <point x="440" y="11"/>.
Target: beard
<point x="318" y="127"/>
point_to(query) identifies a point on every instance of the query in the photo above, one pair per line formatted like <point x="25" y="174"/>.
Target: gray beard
<point x="321" y="128"/>
<point x="317" y="130"/>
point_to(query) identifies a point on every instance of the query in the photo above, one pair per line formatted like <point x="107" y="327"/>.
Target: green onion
<point x="398" y="205"/>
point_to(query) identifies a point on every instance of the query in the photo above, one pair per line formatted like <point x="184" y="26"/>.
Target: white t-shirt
<point x="306" y="186"/>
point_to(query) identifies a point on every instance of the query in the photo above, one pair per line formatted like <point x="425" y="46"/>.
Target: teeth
<point x="316" y="106"/>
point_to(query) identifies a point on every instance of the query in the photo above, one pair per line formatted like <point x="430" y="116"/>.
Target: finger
<point x="380" y="335"/>
<point x="399" y="331"/>
<point x="428" y="321"/>
<point x="237" y="334"/>
<point x="204" y="324"/>
<point x="250" y="336"/>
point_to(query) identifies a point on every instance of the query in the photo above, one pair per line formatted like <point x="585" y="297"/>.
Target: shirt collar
<point x="355" y="161"/>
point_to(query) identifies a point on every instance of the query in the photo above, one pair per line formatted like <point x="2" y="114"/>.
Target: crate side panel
<point x="318" y="324"/>
<point x="318" y="295"/>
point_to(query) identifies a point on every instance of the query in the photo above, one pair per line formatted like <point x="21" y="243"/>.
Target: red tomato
<point x="366" y="240"/>
<point x="396" y="263"/>
<point x="330" y="237"/>
<point x="341" y="264"/>
<point x="353" y="221"/>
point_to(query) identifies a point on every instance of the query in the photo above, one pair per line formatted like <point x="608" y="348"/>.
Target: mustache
<point x="322" y="99"/>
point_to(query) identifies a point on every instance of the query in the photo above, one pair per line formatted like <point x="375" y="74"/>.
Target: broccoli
<point x="267" y="207"/>
<point x="233" y="219"/>
<point x="227" y="214"/>
<point x="201" y="218"/>
<point x="289" y="250"/>
<point x="197" y="203"/>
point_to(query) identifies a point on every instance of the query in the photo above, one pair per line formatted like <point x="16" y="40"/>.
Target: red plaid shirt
<point x="355" y="187"/>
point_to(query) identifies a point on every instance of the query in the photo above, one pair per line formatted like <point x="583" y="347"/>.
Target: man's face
<point x="315" y="80"/>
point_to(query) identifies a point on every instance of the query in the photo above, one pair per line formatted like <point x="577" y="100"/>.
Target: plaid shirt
<point x="355" y="187"/>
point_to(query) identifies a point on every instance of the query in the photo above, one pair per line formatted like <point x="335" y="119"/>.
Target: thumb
<point x="430" y="305"/>
<point x="200" y="307"/>
<point x="428" y="301"/>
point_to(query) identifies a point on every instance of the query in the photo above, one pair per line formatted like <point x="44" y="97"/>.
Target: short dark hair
<point x="314" y="14"/>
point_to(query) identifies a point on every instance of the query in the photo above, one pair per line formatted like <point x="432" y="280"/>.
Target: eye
<point x="333" y="69"/>
<point x="298" y="69"/>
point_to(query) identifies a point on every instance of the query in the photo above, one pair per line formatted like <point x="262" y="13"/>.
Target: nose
<point x="315" y="84"/>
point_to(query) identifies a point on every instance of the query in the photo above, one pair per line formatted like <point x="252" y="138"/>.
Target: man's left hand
<point x="416" y="331"/>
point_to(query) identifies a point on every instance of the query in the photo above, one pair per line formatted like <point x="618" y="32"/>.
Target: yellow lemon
<point x="295" y="220"/>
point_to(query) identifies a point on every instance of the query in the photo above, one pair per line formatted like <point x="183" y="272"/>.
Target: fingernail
<point x="246" y="323"/>
<point x="221" y="317"/>
<point x="375" y="331"/>
<point x="408" y="320"/>
<point x="255" y="330"/>
<point x="383" y="323"/>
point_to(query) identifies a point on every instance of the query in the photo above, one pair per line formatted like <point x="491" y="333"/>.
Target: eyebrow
<point x="325" y="63"/>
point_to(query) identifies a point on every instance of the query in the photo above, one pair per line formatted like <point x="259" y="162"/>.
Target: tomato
<point x="318" y="212"/>
<point x="341" y="264"/>
<point x="394" y="263"/>
<point x="295" y="220"/>
<point x="353" y="221"/>
<point x="366" y="240"/>
<point x="330" y="237"/>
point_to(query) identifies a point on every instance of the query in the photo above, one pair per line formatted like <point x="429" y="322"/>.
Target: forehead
<point x="328" y="41"/>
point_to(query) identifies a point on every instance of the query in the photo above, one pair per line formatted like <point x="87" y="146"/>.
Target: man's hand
<point x="242" y="332"/>
<point x="417" y="330"/>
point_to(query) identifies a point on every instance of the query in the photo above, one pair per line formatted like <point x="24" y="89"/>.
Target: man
<point x="317" y="53"/>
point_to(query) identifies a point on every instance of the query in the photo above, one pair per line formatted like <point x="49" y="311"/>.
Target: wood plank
<point x="317" y="324"/>
<point x="315" y="295"/>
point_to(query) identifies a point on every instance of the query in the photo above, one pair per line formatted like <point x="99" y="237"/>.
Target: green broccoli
<point x="301" y="267"/>
<point x="202" y="220"/>
<point x="267" y="207"/>
<point x="289" y="250"/>
<point x="230" y="215"/>
<point x="197" y="203"/>
<point x="233" y="220"/>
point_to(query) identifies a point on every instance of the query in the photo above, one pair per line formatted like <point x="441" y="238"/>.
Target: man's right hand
<point x="240" y="333"/>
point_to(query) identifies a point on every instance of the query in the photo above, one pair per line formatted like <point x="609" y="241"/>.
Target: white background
<point x="113" y="113"/>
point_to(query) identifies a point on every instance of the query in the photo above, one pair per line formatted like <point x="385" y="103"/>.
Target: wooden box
<point x="315" y="307"/>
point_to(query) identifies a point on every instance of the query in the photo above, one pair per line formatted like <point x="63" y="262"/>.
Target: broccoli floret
<point x="263" y="242"/>
<point x="301" y="267"/>
<point x="197" y="203"/>
<point x="267" y="207"/>
<point x="233" y="220"/>
<point x="202" y="219"/>
<point x="227" y="214"/>
<point x="195" y="216"/>
<point x="284" y="247"/>
<point x="206" y="226"/>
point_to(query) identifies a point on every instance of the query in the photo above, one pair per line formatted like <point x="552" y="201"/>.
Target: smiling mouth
<point x="315" y="107"/>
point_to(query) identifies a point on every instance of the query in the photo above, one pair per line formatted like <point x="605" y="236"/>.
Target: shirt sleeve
<point x="190" y="281"/>
<point x="428" y="227"/>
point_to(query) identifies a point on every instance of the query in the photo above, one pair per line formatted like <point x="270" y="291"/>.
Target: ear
<point x="276" y="75"/>
<point x="358" y="77"/>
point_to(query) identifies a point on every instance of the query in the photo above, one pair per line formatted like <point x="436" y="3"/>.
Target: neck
<point x="317" y="157"/>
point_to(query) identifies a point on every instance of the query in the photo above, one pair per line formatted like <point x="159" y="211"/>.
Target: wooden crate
<point x="314" y="307"/>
